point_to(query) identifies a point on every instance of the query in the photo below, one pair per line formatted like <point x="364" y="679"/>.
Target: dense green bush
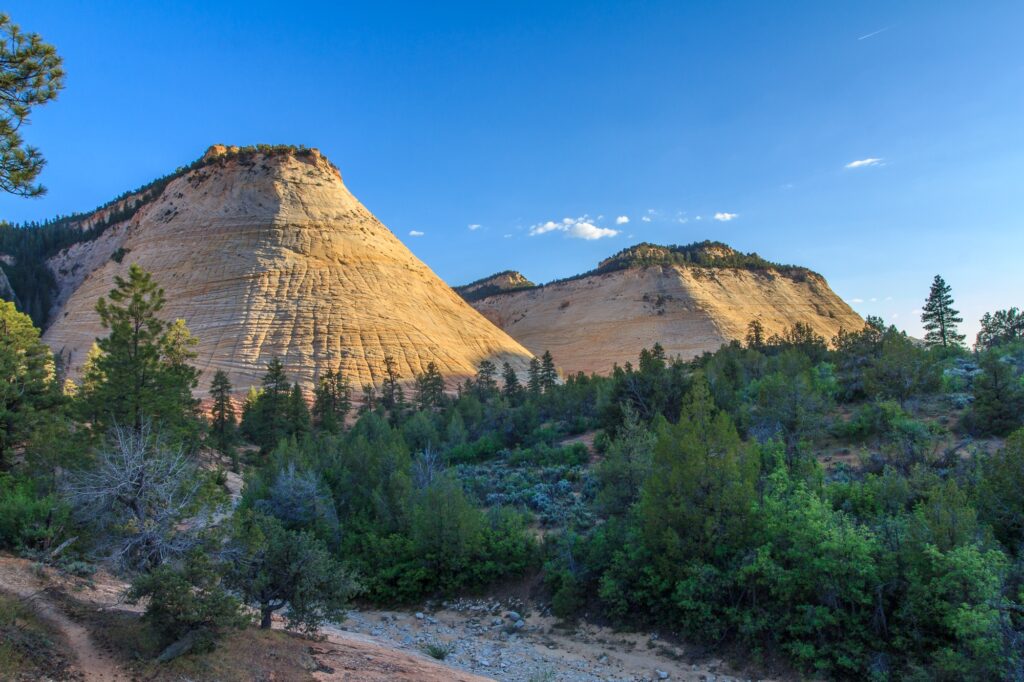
<point x="188" y="601"/>
<point x="28" y="519"/>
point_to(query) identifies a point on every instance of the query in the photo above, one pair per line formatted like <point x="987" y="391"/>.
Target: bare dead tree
<point x="426" y="467"/>
<point x="142" y="497"/>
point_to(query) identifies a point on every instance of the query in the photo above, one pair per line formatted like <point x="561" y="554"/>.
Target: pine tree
<point x="392" y="397"/>
<point x="533" y="384"/>
<point x="1004" y="326"/>
<point x="998" y="406"/>
<point x="456" y="433"/>
<point x="755" y="335"/>
<point x="511" y="388"/>
<point x="298" y="412"/>
<point x="27" y="385"/>
<point x="222" y="414"/>
<point x="486" y="379"/>
<point x="266" y="418"/>
<point x="332" y="400"/>
<point x="142" y="370"/>
<point x="178" y="353"/>
<point x="429" y="387"/>
<point x="30" y="76"/>
<point x="548" y="373"/>
<point x="369" y="399"/>
<point x="939" y="318"/>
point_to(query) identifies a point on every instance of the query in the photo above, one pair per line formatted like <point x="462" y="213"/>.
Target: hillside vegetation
<point x="855" y="507"/>
<point x="705" y="254"/>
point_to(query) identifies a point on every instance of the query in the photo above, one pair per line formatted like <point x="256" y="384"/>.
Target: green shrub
<point x="438" y="650"/>
<point x="27" y="520"/>
<point x="188" y="601"/>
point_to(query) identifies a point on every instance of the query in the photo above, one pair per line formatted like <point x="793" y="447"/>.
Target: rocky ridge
<point x="509" y="280"/>
<point x="689" y="299"/>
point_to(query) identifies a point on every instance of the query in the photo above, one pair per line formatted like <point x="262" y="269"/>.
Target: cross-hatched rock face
<point x="268" y="254"/>
<point x="592" y="323"/>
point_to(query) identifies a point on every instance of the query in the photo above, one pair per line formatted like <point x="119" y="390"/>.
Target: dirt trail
<point x="91" y="662"/>
<point x="342" y="656"/>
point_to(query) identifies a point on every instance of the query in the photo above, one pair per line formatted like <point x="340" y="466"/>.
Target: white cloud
<point x="622" y="220"/>
<point x="646" y="219"/>
<point x="865" y="163"/>
<point x="856" y="300"/>
<point x="508" y="236"/>
<point x="474" y="226"/>
<point x="725" y="217"/>
<point x="415" y="233"/>
<point x="589" y="231"/>
<point x="578" y="228"/>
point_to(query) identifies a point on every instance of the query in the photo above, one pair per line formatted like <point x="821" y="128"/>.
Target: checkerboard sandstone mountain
<point x="264" y="252"/>
<point x="690" y="299"/>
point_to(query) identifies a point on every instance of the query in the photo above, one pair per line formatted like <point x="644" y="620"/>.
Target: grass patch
<point x="438" y="650"/>
<point x="30" y="649"/>
<point x="239" y="656"/>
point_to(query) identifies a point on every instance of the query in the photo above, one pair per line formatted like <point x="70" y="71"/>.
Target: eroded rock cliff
<point x="690" y="300"/>
<point x="266" y="253"/>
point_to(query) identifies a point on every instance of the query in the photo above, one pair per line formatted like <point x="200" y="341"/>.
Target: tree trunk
<point x="265" y="621"/>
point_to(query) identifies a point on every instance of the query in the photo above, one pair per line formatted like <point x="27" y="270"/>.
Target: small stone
<point x="512" y="615"/>
<point x="419" y="615"/>
<point x="662" y="675"/>
<point x="519" y="624"/>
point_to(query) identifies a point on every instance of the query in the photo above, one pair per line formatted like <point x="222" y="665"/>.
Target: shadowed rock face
<point x="266" y="254"/>
<point x="6" y="291"/>
<point x="592" y="322"/>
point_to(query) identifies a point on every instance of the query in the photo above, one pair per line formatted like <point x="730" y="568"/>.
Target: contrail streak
<point x="874" y="33"/>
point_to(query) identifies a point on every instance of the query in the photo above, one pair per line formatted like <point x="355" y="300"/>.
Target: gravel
<point x="493" y="640"/>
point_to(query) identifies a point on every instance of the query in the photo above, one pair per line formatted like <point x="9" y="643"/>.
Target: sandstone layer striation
<point x="594" y="321"/>
<point x="266" y="253"/>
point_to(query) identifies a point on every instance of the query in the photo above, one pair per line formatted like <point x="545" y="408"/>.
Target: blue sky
<point x="516" y="116"/>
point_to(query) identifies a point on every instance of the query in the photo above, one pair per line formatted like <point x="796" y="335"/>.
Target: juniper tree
<point x="273" y="568"/>
<point x="939" y="318"/>
<point x="31" y="75"/>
